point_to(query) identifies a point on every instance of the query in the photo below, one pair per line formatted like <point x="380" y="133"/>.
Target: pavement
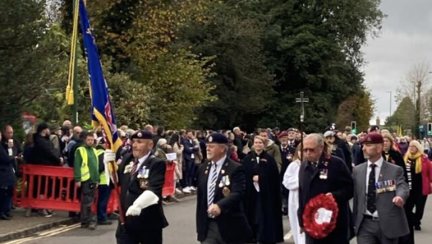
<point x="21" y="226"/>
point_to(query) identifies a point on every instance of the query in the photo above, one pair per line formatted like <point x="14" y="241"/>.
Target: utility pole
<point x="418" y="109"/>
<point x="302" y="100"/>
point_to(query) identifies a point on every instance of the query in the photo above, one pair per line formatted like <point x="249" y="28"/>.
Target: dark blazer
<point x="339" y="183"/>
<point x="43" y="152"/>
<point x="392" y="219"/>
<point x="152" y="217"/>
<point x="188" y="149"/>
<point x="232" y="222"/>
<point x="7" y="175"/>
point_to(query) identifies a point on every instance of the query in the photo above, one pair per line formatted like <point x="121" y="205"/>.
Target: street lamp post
<point x="390" y="94"/>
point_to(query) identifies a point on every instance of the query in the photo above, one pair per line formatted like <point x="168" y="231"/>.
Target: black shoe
<point x="92" y="226"/>
<point x="417" y="227"/>
<point x="106" y="222"/>
<point x="84" y="225"/>
<point x="4" y="217"/>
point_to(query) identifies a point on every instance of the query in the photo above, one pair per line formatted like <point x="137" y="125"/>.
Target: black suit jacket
<point x="152" y="217"/>
<point x="340" y="183"/>
<point x="232" y="222"/>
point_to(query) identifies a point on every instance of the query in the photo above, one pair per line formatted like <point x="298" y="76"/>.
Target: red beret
<point x="373" y="138"/>
<point x="282" y="134"/>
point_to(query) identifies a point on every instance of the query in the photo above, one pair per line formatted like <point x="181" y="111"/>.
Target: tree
<point x="415" y="84"/>
<point x="232" y="34"/>
<point x="404" y="115"/>
<point x="357" y="108"/>
<point x="314" y="46"/>
<point x="31" y="56"/>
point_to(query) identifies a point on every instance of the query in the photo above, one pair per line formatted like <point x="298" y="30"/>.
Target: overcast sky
<point x="404" y="41"/>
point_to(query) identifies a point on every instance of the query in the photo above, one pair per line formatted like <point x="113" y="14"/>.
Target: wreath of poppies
<point x="319" y="216"/>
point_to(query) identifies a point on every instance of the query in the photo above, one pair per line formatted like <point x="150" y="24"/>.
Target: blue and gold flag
<point x="101" y="111"/>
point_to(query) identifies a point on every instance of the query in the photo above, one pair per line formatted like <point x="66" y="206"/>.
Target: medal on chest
<point x="143" y="176"/>
<point x="323" y="174"/>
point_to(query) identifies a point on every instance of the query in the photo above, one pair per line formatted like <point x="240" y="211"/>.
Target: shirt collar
<point x="378" y="163"/>
<point x="220" y="161"/>
<point x="142" y="159"/>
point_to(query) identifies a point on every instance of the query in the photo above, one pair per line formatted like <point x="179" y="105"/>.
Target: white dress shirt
<point x="378" y="166"/>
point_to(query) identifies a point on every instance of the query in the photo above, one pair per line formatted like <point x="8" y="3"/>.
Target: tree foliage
<point x="404" y="115"/>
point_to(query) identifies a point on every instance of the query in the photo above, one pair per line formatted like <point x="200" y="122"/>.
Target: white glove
<point x="147" y="198"/>
<point x="109" y="156"/>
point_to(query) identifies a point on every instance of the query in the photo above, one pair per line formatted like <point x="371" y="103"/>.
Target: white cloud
<point x="405" y="40"/>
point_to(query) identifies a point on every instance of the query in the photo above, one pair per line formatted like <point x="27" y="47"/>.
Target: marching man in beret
<point x="380" y="192"/>
<point x="141" y="177"/>
<point x="221" y="187"/>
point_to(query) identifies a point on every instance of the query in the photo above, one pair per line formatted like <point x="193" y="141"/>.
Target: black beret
<point x="217" y="138"/>
<point x="42" y="126"/>
<point x="142" y="134"/>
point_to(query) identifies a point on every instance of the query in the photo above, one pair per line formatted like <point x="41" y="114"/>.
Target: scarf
<point x="418" y="160"/>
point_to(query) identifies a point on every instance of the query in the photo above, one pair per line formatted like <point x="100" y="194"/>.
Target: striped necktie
<point x="212" y="186"/>
<point x="134" y="167"/>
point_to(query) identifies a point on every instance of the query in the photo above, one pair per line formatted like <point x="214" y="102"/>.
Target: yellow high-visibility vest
<point x="102" y="177"/>
<point x="85" y="170"/>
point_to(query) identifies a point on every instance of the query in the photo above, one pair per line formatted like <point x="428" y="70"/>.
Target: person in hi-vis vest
<point x="105" y="182"/>
<point x="86" y="174"/>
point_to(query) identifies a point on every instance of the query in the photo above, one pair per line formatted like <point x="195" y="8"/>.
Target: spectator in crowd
<point x="419" y="173"/>
<point x="73" y="144"/>
<point x="263" y="204"/>
<point x="174" y="142"/>
<point x="239" y="141"/>
<point x="43" y="150"/>
<point x="189" y="152"/>
<point x="7" y="182"/>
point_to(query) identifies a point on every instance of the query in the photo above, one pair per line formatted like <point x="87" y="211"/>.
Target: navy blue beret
<point x="217" y="138"/>
<point x="142" y="134"/>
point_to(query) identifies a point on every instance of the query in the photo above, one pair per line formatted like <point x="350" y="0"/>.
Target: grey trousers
<point x="88" y="196"/>
<point x="370" y="233"/>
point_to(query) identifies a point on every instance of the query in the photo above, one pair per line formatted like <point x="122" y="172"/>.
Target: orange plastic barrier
<point x="169" y="184"/>
<point x="48" y="187"/>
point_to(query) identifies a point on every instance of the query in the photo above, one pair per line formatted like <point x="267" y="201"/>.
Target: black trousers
<point x="418" y="201"/>
<point x="144" y="237"/>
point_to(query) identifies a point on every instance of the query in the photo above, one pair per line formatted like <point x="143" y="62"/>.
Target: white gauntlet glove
<point x="109" y="156"/>
<point x="147" y="198"/>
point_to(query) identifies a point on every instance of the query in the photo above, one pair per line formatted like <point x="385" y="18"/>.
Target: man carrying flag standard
<point x="141" y="175"/>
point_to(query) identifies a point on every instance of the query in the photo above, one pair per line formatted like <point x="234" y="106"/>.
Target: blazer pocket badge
<point x="226" y="191"/>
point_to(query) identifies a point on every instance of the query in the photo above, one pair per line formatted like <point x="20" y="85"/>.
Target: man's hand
<point x="214" y="210"/>
<point x="78" y="184"/>
<point x="255" y="178"/>
<point x="329" y="194"/>
<point x="398" y="201"/>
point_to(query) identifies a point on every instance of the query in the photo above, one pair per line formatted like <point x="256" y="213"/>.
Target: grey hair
<point x="318" y="138"/>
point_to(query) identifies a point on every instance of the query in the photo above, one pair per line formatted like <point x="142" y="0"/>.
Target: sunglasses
<point x="308" y="149"/>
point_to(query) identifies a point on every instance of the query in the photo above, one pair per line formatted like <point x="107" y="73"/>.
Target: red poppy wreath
<point x="319" y="216"/>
